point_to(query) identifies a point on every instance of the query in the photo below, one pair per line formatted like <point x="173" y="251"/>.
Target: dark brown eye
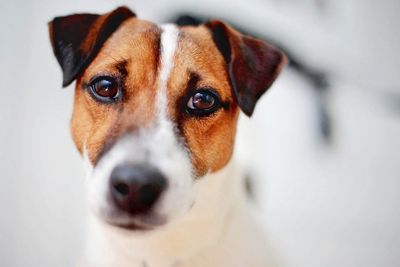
<point x="203" y="102"/>
<point x="105" y="89"/>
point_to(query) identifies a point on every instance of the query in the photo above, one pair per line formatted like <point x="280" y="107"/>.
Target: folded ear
<point x="76" y="39"/>
<point x="252" y="64"/>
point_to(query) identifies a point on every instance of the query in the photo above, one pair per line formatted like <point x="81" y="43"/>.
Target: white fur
<point x="169" y="42"/>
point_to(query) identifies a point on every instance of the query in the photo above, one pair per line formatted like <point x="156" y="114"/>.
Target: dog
<point x="155" y="115"/>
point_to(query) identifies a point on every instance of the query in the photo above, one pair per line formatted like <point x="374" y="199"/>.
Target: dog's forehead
<point x="139" y="43"/>
<point x="135" y="42"/>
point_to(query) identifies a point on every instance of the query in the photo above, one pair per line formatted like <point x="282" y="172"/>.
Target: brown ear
<point x="252" y="64"/>
<point x="76" y="39"/>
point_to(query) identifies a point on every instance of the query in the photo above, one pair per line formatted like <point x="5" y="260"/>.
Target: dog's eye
<point x="203" y="102"/>
<point x="105" y="89"/>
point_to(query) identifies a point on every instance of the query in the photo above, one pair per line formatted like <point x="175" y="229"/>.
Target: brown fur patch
<point x="98" y="125"/>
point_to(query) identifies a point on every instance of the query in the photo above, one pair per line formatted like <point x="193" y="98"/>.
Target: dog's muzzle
<point x="136" y="188"/>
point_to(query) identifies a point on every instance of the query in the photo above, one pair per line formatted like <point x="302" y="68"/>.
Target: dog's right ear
<point x="76" y="39"/>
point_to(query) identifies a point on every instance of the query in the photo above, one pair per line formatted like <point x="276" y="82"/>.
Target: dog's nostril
<point x="148" y="194"/>
<point x="121" y="188"/>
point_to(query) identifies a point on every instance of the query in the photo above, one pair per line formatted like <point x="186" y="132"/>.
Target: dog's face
<point x="156" y="107"/>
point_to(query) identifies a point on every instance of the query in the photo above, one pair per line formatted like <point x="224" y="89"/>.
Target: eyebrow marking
<point x="121" y="67"/>
<point x="157" y="49"/>
<point x="194" y="79"/>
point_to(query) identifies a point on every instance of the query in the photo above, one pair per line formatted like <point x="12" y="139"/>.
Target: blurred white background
<point x="324" y="204"/>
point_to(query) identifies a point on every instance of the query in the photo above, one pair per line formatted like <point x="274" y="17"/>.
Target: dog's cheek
<point x="210" y="141"/>
<point x="224" y="138"/>
<point x="89" y="125"/>
<point x="81" y="121"/>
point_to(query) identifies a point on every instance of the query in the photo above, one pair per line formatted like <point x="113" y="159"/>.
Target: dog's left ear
<point x="252" y="64"/>
<point x="76" y="39"/>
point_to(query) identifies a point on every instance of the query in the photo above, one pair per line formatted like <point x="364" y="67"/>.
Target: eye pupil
<point x="203" y="101"/>
<point x="105" y="89"/>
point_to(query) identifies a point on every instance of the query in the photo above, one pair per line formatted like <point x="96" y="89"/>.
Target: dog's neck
<point x="219" y="195"/>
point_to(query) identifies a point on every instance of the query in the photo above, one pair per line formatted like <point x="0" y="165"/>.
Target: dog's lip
<point x="132" y="227"/>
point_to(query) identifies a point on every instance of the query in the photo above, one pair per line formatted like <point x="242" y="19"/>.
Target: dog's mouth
<point x="140" y="222"/>
<point x="133" y="225"/>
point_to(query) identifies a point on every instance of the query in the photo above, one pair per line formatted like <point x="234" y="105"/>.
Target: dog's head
<point x="156" y="106"/>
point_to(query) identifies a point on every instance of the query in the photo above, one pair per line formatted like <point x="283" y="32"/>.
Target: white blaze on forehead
<point x="169" y="41"/>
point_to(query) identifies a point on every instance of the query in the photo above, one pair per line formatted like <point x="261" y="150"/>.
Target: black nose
<point x="135" y="188"/>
